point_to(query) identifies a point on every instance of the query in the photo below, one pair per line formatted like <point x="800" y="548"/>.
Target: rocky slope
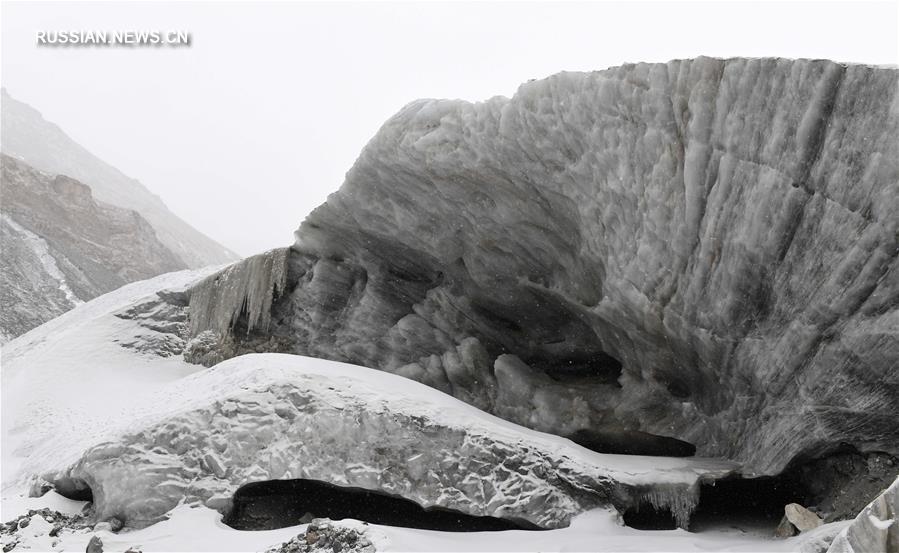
<point x="44" y="146"/>
<point x="700" y="254"/>
<point x="61" y="247"/>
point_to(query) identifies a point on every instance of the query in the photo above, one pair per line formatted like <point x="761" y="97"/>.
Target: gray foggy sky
<point x="246" y="131"/>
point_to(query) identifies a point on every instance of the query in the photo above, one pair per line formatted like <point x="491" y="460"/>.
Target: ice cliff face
<point x="704" y="250"/>
<point x="61" y="247"/>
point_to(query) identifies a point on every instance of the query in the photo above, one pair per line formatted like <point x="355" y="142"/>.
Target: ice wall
<point x="247" y="287"/>
<point x="703" y="250"/>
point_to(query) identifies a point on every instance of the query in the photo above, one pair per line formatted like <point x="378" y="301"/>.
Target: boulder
<point x="95" y="545"/>
<point x="785" y="528"/>
<point x="802" y="518"/>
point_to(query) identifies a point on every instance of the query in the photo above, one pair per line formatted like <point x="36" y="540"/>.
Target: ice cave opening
<point x="596" y="365"/>
<point x="746" y="503"/>
<point x="631" y="442"/>
<point x="751" y="504"/>
<point x="73" y="488"/>
<point x="273" y="504"/>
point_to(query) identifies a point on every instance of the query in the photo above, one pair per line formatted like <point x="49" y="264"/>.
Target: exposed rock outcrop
<point x="44" y="146"/>
<point x="61" y="247"/>
<point x="704" y="250"/>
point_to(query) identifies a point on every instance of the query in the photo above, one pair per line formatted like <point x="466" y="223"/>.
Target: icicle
<point x="678" y="499"/>
<point x="249" y="286"/>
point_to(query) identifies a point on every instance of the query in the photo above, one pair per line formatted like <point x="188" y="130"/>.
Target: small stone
<point x="785" y="529"/>
<point x="311" y="537"/>
<point x="220" y="502"/>
<point x="95" y="545"/>
<point x="103" y="527"/>
<point x="116" y="524"/>
<point x="24" y="522"/>
<point x="802" y="518"/>
<point x="215" y="465"/>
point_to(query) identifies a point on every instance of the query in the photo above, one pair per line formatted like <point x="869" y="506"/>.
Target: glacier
<point x="702" y="251"/>
<point x="697" y="260"/>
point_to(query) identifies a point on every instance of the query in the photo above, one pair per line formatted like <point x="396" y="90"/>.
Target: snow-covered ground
<point x="68" y="381"/>
<point x="200" y="529"/>
<point x="68" y="385"/>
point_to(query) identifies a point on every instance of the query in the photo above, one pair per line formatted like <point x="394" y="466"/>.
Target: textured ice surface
<point x="704" y="249"/>
<point x="875" y="529"/>
<point x="273" y="416"/>
<point x="247" y="287"/>
<point x="146" y="431"/>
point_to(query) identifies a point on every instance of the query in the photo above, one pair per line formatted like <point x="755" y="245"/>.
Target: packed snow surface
<point x="67" y="384"/>
<point x="200" y="529"/>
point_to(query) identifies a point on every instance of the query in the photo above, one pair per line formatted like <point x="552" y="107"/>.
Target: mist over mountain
<point x="74" y="227"/>
<point x="61" y="247"/>
<point x="46" y="147"/>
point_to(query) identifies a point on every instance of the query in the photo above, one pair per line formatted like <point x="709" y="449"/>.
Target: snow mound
<point x="265" y="417"/>
<point x="69" y="383"/>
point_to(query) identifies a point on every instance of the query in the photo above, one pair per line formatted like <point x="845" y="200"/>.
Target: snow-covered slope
<point x="68" y="381"/>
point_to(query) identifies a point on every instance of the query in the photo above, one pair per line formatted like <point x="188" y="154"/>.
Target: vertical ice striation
<point x="705" y="250"/>
<point x="246" y="287"/>
<point x="679" y="500"/>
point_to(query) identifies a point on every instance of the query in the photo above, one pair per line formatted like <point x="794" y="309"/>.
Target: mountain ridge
<point x="62" y="247"/>
<point x="44" y="145"/>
